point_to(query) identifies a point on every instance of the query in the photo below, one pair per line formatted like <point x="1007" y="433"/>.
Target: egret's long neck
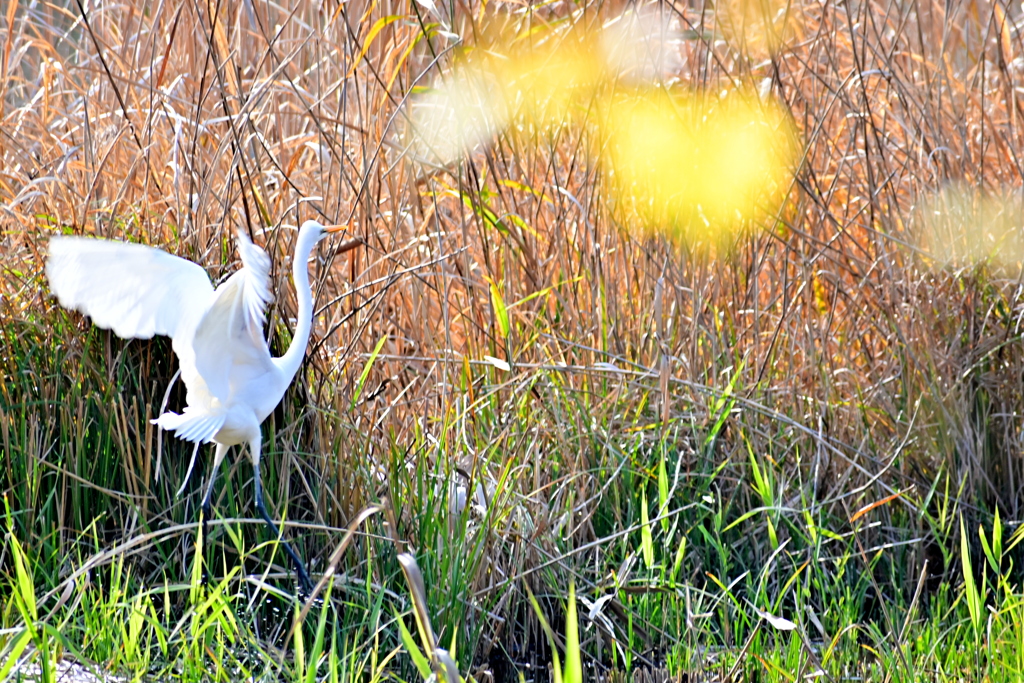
<point x="292" y="359"/>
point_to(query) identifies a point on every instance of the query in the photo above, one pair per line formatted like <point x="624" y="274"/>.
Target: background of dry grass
<point x="853" y="369"/>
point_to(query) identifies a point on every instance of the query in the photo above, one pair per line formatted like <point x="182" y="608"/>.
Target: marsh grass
<point x="750" y="458"/>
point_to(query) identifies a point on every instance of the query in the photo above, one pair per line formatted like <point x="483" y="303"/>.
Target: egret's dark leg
<point x="300" y="568"/>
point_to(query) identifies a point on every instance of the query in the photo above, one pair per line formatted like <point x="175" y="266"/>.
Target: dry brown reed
<point x="863" y="370"/>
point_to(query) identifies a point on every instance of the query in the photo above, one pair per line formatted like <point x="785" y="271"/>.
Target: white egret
<point x="232" y="382"/>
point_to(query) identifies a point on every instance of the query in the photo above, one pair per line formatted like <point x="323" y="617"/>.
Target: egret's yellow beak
<point x="347" y="245"/>
<point x="341" y="226"/>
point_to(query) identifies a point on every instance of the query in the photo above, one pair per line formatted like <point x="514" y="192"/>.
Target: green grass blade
<point x="573" y="664"/>
<point x="366" y="370"/>
<point x="418" y="658"/>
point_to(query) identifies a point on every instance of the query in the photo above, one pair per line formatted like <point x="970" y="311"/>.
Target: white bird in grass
<point x="232" y="382"/>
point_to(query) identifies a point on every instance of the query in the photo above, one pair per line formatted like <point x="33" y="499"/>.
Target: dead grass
<point x="862" y="371"/>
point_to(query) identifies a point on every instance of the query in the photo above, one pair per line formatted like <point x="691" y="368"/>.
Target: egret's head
<point x="312" y="232"/>
<point x="317" y="231"/>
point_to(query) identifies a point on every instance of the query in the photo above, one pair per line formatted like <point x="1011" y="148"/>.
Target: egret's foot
<point x="305" y="585"/>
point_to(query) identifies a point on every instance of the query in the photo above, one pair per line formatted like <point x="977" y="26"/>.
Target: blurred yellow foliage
<point x="961" y="226"/>
<point x="684" y="162"/>
<point x="759" y="27"/>
<point x="538" y="85"/>
<point x="692" y="165"/>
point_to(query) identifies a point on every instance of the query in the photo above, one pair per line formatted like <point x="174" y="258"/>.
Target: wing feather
<point x="229" y="344"/>
<point x="194" y="424"/>
<point x="139" y="291"/>
<point x="134" y="290"/>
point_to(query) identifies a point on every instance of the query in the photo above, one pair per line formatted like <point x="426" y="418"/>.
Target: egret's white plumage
<point x="232" y="382"/>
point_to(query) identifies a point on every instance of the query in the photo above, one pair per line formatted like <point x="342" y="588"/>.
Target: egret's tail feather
<point x="192" y="425"/>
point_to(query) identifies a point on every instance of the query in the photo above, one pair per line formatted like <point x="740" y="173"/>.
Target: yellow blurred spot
<point x="698" y="168"/>
<point x="962" y="226"/>
<point x="759" y="27"/>
<point x="680" y="161"/>
<point x="549" y="85"/>
<point x="532" y="85"/>
<point x="642" y="45"/>
<point x="821" y="300"/>
<point x="457" y="114"/>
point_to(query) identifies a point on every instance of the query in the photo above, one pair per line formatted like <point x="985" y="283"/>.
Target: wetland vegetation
<point x="785" y="450"/>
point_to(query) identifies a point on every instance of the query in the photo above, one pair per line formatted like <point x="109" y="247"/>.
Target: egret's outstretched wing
<point x="134" y="290"/>
<point x="229" y="344"/>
